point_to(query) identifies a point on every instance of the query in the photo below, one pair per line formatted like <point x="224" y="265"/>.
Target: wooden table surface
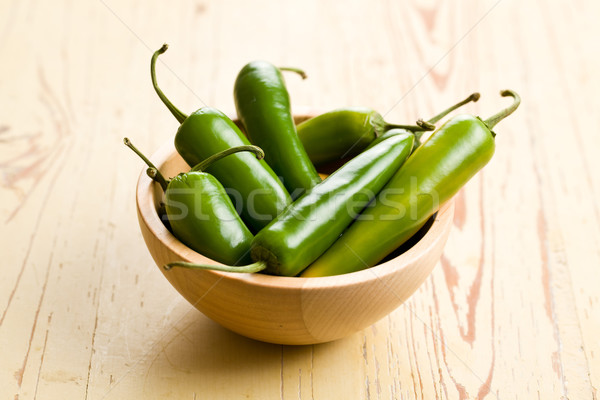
<point x="511" y="311"/>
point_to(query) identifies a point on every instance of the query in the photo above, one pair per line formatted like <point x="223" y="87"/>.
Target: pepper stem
<point x="472" y="98"/>
<point x="158" y="177"/>
<point x="429" y="125"/>
<point x="203" y="165"/>
<point x="296" y="70"/>
<point x="174" y="110"/>
<point x="152" y="173"/>
<point x="420" y="126"/>
<point x="250" y="268"/>
<point x="425" y="127"/>
<point x="494" y="119"/>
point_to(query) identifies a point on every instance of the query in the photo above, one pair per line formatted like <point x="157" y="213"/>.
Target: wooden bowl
<point x="286" y="310"/>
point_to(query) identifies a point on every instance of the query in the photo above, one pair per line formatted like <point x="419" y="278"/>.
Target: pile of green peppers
<point x="266" y="209"/>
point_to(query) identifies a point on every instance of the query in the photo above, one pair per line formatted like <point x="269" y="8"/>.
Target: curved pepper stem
<point x="473" y="97"/>
<point x="250" y="268"/>
<point x="429" y="124"/>
<point x="296" y="70"/>
<point x="494" y="119"/>
<point x="152" y="171"/>
<point x="174" y="110"/>
<point x="203" y="165"/>
<point x="419" y="127"/>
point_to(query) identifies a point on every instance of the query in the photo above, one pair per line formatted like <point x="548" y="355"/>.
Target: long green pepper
<point x="431" y="176"/>
<point x="313" y="222"/>
<point x="345" y="132"/>
<point x="257" y="193"/>
<point x="263" y="106"/>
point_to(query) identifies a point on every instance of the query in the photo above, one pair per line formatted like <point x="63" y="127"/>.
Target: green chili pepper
<point x="201" y="214"/>
<point x="431" y="176"/>
<point x="313" y="222"/>
<point x="345" y="132"/>
<point x="263" y="107"/>
<point x="257" y="193"/>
